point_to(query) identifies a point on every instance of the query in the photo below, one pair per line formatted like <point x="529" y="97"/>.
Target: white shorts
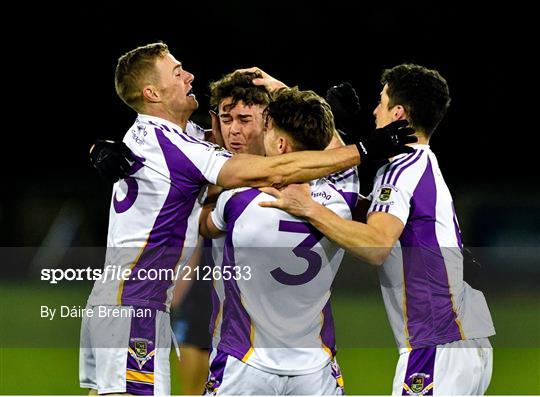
<point x="120" y="354"/>
<point x="457" y="368"/>
<point x="228" y="375"/>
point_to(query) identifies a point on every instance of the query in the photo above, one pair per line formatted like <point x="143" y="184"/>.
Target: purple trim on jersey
<point x="351" y="198"/>
<point x="166" y="239"/>
<point x="190" y="139"/>
<point x="159" y="125"/>
<point x="381" y="208"/>
<point x="338" y="174"/>
<point x="142" y="341"/>
<point x="431" y="319"/>
<point x="194" y="139"/>
<point x="123" y="205"/>
<point x="328" y="334"/>
<point x="458" y="230"/>
<point x="217" y="369"/>
<point x="236" y="323"/>
<point x="420" y="370"/>
<point x="334" y="177"/>
<point x="386" y="171"/>
<point x="389" y="172"/>
<point x="405" y="166"/>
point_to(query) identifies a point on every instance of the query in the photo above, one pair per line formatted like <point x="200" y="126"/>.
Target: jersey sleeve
<point x="395" y="184"/>
<point x="195" y="130"/>
<point x="185" y="159"/>
<point x="347" y="184"/>
<point x="218" y="214"/>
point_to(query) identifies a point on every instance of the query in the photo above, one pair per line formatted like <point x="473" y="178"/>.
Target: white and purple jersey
<point x="153" y="219"/>
<point x="427" y="301"/>
<point x="275" y="315"/>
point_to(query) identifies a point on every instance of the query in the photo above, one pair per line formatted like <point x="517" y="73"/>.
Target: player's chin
<point x="193" y="101"/>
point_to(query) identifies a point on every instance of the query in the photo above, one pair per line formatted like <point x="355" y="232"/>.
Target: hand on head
<point x="269" y="82"/>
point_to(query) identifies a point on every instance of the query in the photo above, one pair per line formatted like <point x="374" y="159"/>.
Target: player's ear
<point x="398" y="113"/>
<point x="151" y="94"/>
<point x="284" y="146"/>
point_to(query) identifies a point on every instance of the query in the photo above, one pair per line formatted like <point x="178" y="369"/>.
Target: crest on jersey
<point x="139" y="350"/>
<point x="385" y="194"/>
<point x="418" y="385"/>
<point x="212" y="386"/>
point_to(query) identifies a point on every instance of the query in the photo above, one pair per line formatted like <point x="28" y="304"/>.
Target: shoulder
<point x="235" y="197"/>
<point x="195" y="130"/>
<point x="334" y="197"/>
<point x="404" y="168"/>
<point x="347" y="176"/>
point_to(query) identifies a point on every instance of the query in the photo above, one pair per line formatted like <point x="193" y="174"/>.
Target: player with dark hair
<point x="154" y="211"/>
<point x="440" y="323"/>
<point x="273" y="330"/>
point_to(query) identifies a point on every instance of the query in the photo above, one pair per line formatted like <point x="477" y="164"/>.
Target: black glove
<point x="386" y="142"/>
<point x="110" y="159"/>
<point x="346" y="109"/>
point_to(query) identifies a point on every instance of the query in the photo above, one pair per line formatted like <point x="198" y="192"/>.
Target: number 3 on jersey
<point x="132" y="188"/>
<point x="302" y="250"/>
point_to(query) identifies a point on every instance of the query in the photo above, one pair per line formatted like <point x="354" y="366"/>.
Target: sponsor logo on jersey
<point x="138" y="133"/>
<point x="324" y="195"/>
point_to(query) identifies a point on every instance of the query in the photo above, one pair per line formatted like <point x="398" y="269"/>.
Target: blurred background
<point x="59" y="72"/>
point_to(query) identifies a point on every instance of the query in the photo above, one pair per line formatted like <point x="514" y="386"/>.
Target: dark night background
<point x="58" y="96"/>
<point x="62" y="60"/>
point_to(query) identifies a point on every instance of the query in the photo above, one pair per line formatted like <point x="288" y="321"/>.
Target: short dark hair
<point x="238" y="86"/>
<point x="421" y="91"/>
<point x="136" y="68"/>
<point x="304" y="116"/>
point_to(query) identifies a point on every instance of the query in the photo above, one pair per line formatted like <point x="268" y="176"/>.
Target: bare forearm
<point x="360" y="239"/>
<point x="307" y="166"/>
<point x="278" y="171"/>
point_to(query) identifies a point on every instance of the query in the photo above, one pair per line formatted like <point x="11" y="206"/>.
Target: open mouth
<point x="236" y="145"/>
<point x="191" y="93"/>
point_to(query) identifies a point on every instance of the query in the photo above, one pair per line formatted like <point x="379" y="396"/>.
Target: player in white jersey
<point x="240" y="105"/>
<point x="273" y="327"/>
<point x="440" y="323"/>
<point x="153" y="219"/>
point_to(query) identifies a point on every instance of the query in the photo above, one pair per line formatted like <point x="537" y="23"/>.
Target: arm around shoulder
<point x="278" y="171"/>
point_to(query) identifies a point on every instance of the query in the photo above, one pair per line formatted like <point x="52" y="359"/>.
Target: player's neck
<point x="422" y="138"/>
<point x="180" y="120"/>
